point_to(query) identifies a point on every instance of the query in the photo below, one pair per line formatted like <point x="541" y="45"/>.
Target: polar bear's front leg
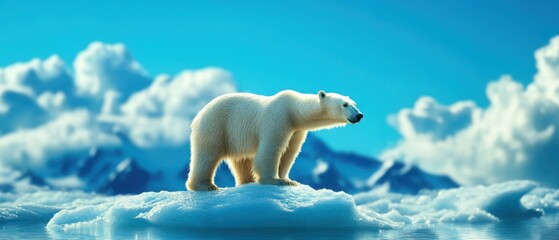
<point x="291" y="153"/>
<point x="266" y="163"/>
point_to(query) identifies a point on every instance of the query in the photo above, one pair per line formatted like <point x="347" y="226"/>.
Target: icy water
<point x="545" y="227"/>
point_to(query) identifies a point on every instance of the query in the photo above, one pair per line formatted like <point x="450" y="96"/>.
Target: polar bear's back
<point x="231" y="123"/>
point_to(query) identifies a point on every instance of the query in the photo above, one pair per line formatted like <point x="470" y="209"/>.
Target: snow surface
<point x="257" y="206"/>
<point x="248" y="206"/>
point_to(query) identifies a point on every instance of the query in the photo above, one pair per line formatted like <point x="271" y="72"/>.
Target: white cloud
<point x="52" y="101"/>
<point x="161" y="114"/>
<point x="48" y="114"/>
<point x="429" y="118"/>
<point x="547" y="62"/>
<point x="19" y="110"/>
<point x="183" y="95"/>
<point x="71" y="133"/>
<point x="36" y="76"/>
<point x="30" y="90"/>
<point x="515" y="137"/>
<point x="102" y="67"/>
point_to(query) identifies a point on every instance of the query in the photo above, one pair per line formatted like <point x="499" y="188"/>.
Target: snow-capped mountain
<point x="320" y="167"/>
<point x="127" y="169"/>
<point x="110" y="171"/>
<point x="402" y="178"/>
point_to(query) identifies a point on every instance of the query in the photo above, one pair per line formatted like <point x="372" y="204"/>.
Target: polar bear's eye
<point x="345" y="105"/>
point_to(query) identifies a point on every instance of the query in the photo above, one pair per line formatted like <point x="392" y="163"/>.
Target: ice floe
<point x="257" y="206"/>
<point x="497" y="202"/>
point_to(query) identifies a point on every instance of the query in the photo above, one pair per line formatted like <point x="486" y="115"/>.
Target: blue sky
<point x="384" y="54"/>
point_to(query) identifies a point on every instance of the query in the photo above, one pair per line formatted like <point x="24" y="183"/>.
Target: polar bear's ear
<point x="321" y="94"/>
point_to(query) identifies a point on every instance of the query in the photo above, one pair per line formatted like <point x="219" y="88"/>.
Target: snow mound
<point x="497" y="202"/>
<point x="248" y="206"/>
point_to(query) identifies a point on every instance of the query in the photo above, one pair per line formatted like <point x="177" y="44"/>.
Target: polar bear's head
<point x="340" y="108"/>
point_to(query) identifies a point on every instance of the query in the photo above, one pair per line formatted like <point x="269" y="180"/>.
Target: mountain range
<point x="127" y="169"/>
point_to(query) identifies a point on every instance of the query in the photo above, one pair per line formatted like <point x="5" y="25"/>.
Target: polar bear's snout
<point x="359" y="116"/>
<point x="355" y="115"/>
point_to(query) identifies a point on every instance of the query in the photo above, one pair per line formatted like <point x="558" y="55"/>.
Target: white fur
<point x="259" y="136"/>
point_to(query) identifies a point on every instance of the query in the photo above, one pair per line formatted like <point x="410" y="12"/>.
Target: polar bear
<point x="260" y="136"/>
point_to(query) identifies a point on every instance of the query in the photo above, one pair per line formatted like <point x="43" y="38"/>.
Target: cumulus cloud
<point x="103" y="67"/>
<point x="182" y="95"/>
<point x="429" y="118"/>
<point x="48" y="113"/>
<point x="70" y="133"/>
<point x="515" y="137"/>
<point x="19" y="110"/>
<point x="37" y="76"/>
<point x="30" y="90"/>
<point x="34" y="92"/>
<point x="52" y="101"/>
<point x="161" y="114"/>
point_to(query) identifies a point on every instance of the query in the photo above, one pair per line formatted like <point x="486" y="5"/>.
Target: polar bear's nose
<point x="359" y="116"/>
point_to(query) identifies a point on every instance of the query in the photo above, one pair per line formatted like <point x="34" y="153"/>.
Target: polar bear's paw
<point x="203" y="187"/>
<point x="278" y="182"/>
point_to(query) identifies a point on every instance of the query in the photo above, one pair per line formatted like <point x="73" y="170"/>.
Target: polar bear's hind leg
<point x="202" y="171"/>
<point x="242" y="170"/>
